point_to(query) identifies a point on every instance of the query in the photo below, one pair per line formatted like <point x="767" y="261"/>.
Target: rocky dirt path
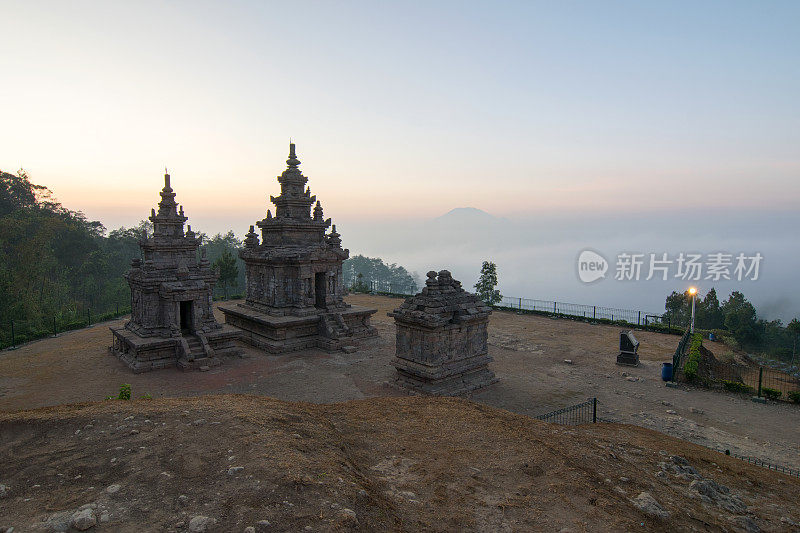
<point x="228" y="463"/>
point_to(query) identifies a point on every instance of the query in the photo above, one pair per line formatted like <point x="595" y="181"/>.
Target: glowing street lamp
<point x="693" y="292"/>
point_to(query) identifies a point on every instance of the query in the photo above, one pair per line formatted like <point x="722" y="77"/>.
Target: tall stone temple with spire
<point x="294" y="277"/>
<point x="172" y="322"/>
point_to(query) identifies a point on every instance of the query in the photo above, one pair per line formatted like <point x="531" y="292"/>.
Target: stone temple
<point x="442" y="339"/>
<point x="172" y="322"/>
<point x="294" y="277"/>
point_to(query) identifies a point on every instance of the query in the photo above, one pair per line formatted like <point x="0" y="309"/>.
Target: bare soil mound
<point x="225" y="463"/>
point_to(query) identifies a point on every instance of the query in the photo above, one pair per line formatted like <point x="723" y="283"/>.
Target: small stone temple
<point x="294" y="277"/>
<point x="442" y="336"/>
<point x="172" y="322"/>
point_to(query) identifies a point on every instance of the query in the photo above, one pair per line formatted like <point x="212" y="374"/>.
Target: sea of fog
<point x="537" y="256"/>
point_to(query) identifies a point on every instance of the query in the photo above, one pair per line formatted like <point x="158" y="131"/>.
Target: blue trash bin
<point x="666" y="371"/>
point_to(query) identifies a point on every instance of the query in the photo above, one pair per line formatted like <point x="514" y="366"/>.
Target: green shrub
<point x="735" y="386"/>
<point x="124" y="392"/>
<point x="693" y="359"/>
<point x="730" y="342"/>
<point x="772" y="394"/>
<point x="794" y="396"/>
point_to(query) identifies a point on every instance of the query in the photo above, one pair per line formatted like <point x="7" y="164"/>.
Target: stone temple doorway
<point x="319" y="290"/>
<point x="186" y="316"/>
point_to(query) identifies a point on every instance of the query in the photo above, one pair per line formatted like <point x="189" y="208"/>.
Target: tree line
<point x="56" y="265"/>
<point x="371" y="274"/>
<point x="738" y="319"/>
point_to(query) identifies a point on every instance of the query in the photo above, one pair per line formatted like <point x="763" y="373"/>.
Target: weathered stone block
<point x="442" y="339"/>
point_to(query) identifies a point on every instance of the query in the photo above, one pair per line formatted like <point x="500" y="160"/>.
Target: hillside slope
<point x="393" y="464"/>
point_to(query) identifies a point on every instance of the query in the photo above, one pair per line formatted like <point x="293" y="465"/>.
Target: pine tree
<point x="485" y="288"/>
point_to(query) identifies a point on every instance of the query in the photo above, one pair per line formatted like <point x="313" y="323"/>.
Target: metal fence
<point x="750" y="378"/>
<point x="634" y="317"/>
<point x="582" y="413"/>
<point x="680" y="351"/>
<point x="15" y="332"/>
<point x="758" y="462"/>
<point x="742" y="375"/>
<point x="589" y="312"/>
<point x="586" y="413"/>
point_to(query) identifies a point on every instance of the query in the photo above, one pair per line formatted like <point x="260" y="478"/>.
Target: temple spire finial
<point x="292" y="162"/>
<point x="166" y="178"/>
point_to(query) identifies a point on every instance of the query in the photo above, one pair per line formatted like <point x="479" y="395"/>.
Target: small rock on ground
<point x="263" y="526"/>
<point x="83" y="519"/>
<point x="647" y="504"/>
<point x="201" y="524"/>
<point x="347" y="516"/>
<point x="747" y="523"/>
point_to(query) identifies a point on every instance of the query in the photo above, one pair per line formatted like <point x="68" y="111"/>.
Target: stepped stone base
<point x="329" y="331"/>
<point x="143" y="354"/>
<point x="628" y="359"/>
<point x="467" y="376"/>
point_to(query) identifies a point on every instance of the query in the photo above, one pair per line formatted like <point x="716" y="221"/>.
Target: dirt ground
<point x="529" y="353"/>
<point x="225" y="463"/>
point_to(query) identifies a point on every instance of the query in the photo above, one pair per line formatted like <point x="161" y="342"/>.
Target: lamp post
<point x="693" y="292"/>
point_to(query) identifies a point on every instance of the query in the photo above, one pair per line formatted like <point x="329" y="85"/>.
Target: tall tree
<point x="217" y="245"/>
<point x="485" y="288"/>
<point x="228" y="271"/>
<point x="793" y="328"/>
<point x="740" y="318"/>
<point x="679" y="307"/>
<point x="709" y="312"/>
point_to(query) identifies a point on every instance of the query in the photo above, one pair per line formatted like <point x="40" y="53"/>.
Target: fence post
<point x="88" y="317"/>
<point x="760" y="376"/>
<point x="55" y="331"/>
<point x="13" y="342"/>
<point x="554" y="307"/>
<point x="117" y="307"/>
<point x="594" y="312"/>
<point x="520" y="304"/>
<point x="639" y="319"/>
<point x="594" y="410"/>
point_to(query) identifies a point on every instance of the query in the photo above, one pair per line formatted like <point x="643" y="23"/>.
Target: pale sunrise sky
<point x="403" y="109"/>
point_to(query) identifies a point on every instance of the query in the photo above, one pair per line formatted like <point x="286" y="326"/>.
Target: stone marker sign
<point x="628" y="349"/>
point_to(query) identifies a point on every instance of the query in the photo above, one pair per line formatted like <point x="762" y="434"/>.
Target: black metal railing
<point x="582" y="413"/>
<point x="597" y="313"/>
<point x="16" y="331"/>
<point x="586" y="413"/>
<point x="764" y="464"/>
<point x="680" y="351"/>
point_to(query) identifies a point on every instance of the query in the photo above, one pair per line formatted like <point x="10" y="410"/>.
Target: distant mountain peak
<point x="467" y="213"/>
